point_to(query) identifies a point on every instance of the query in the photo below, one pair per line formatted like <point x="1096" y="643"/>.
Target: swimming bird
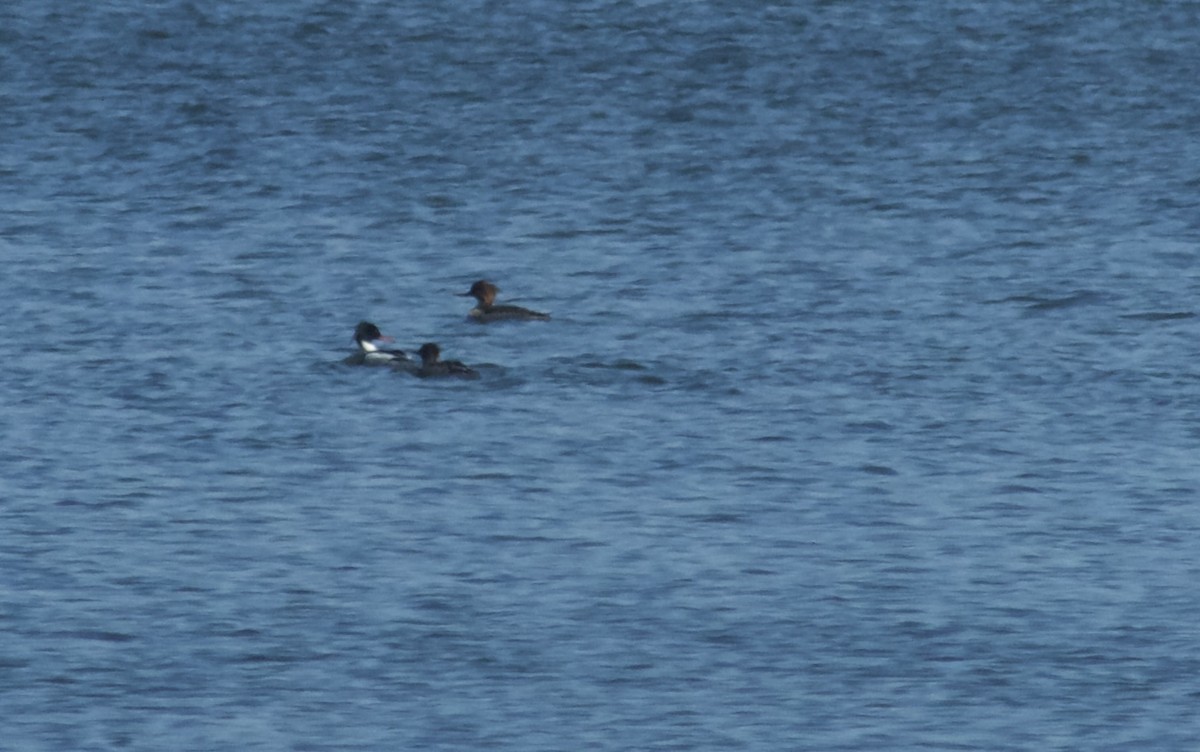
<point x="487" y="311"/>
<point x="432" y="366"/>
<point x="368" y="337"/>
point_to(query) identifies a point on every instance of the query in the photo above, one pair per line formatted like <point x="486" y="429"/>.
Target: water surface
<point x="867" y="417"/>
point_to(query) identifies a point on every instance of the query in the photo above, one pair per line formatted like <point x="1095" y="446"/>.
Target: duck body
<point x="486" y="311"/>
<point x="433" y="367"/>
<point x="370" y="353"/>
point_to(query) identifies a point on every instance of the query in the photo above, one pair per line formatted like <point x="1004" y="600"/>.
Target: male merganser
<point x="486" y="311"/>
<point x="431" y="366"/>
<point x="368" y="337"/>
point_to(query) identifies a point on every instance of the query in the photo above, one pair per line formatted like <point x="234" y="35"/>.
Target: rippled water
<point x="867" y="417"/>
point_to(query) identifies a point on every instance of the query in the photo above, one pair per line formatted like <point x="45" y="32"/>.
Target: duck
<point x="368" y="337"/>
<point x="486" y="311"/>
<point x="432" y="366"/>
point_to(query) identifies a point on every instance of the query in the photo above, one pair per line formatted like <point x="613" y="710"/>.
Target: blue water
<point x="867" y="418"/>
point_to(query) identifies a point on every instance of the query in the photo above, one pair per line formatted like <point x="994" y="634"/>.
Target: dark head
<point x="366" y="331"/>
<point x="429" y="353"/>
<point x="483" y="291"/>
<point x="367" y="334"/>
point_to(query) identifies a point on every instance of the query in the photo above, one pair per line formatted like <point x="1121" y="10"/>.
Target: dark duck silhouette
<point x="432" y="366"/>
<point x="486" y="310"/>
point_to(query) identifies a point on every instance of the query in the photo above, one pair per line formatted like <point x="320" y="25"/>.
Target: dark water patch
<point x="1016" y="488"/>
<point x="97" y="636"/>
<point x="1039" y="304"/>
<point x="625" y="365"/>
<point x="1000" y="508"/>
<point x="652" y="380"/>
<point x="282" y="657"/>
<point x="871" y="426"/>
<point x="518" y="539"/>
<point x="719" y="518"/>
<point x="129" y="500"/>
<point x="607" y="372"/>
<point x="238" y="633"/>
<point x="1160" y="316"/>
<point x="588" y="544"/>
<point x="878" y="470"/>
<point x="61" y="679"/>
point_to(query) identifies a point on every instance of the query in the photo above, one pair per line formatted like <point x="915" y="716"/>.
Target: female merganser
<point x="486" y="311"/>
<point x="367" y="335"/>
<point x="431" y="366"/>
